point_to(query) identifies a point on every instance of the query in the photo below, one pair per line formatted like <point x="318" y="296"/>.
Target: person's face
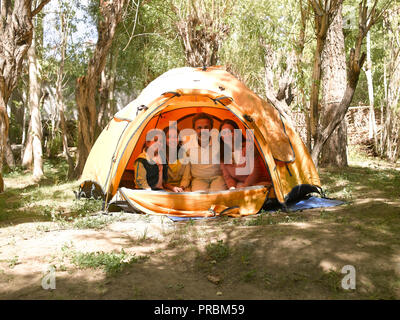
<point x="203" y="124"/>
<point x="172" y="138"/>
<point x="227" y="131"/>
<point x="154" y="144"/>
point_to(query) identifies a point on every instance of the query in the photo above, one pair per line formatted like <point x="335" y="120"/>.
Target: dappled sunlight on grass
<point x="26" y="201"/>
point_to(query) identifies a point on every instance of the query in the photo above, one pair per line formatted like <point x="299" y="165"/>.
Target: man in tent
<point x="202" y="152"/>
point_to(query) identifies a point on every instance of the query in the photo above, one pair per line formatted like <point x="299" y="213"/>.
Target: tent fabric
<point x="243" y="201"/>
<point x="179" y="94"/>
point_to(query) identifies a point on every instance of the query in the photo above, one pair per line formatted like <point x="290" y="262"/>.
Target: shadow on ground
<point x="269" y="256"/>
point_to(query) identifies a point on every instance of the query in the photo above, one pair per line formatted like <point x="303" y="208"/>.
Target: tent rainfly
<point x="178" y="95"/>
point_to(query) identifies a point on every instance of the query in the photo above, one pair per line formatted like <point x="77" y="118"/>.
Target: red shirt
<point x="258" y="174"/>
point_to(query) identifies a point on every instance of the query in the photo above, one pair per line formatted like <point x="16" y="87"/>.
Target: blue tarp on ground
<point x="314" y="202"/>
<point x="310" y="203"/>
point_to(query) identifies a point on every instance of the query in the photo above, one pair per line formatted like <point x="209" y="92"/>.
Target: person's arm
<point x="186" y="177"/>
<point x="159" y="184"/>
<point x="172" y="188"/>
<point x="229" y="180"/>
<point x="255" y="175"/>
<point x="140" y="176"/>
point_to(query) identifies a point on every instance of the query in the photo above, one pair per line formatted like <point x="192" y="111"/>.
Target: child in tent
<point x="150" y="169"/>
<point x="239" y="172"/>
<point x="178" y="173"/>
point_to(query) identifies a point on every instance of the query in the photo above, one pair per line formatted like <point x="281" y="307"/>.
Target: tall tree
<point x="389" y="140"/>
<point x="324" y="12"/>
<point x="33" y="151"/>
<point x="282" y="66"/>
<point x="333" y="84"/>
<point x="110" y="14"/>
<point x="202" y="29"/>
<point x="366" y="19"/>
<point x="372" y="134"/>
<point x="107" y="90"/>
<point x="265" y="47"/>
<point x="16" y="37"/>
<point x="64" y="31"/>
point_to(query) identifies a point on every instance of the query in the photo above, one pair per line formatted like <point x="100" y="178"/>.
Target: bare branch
<point x="39" y="7"/>
<point x="134" y="26"/>
<point x="5" y="4"/>
<point x="372" y="12"/>
<point x="317" y="7"/>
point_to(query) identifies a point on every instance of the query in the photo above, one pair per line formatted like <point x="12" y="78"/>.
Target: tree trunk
<point x="16" y="36"/>
<point x="111" y="108"/>
<point x="324" y="13"/>
<point x="111" y="13"/>
<point x="202" y="31"/>
<point x="34" y="106"/>
<point x="3" y="131"/>
<point x="368" y="74"/>
<point x="59" y="94"/>
<point x="333" y="82"/>
<point x="107" y="87"/>
<point x="27" y="157"/>
<point x="356" y="60"/>
<point x="24" y="129"/>
<point x="334" y="152"/>
<point x="104" y="94"/>
<point x="9" y="156"/>
<point x="271" y="94"/>
<point x="315" y="85"/>
<point x="389" y="138"/>
<point x="304" y="14"/>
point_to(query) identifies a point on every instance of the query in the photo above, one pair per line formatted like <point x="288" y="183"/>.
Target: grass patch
<point x="13" y="262"/>
<point x="331" y="280"/>
<point x="110" y="262"/>
<point x="264" y="219"/>
<point x="217" y="251"/>
<point x="249" y="276"/>
<point x="83" y="214"/>
<point x="93" y="222"/>
<point x="84" y="207"/>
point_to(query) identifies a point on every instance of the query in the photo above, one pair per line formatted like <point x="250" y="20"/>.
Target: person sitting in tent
<point x="177" y="171"/>
<point x="241" y="165"/>
<point x="150" y="169"/>
<point x="203" y="155"/>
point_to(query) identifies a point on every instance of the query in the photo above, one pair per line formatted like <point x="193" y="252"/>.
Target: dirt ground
<point x="297" y="255"/>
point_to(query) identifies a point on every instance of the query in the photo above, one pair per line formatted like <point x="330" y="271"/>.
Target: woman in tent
<point x="150" y="169"/>
<point x="178" y="173"/>
<point x="240" y="167"/>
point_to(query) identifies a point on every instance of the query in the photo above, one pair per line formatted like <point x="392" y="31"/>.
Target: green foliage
<point x="146" y="47"/>
<point x="55" y="145"/>
<point x="249" y="276"/>
<point x="331" y="280"/>
<point x="13" y="262"/>
<point x="15" y="129"/>
<point x="217" y="251"/>
<point x="93" y="222"/>
<point x="85" y="207"/>
<point x="111" y="263"/>
<point x="152" y="50"/>
<point x="254" y="25"/>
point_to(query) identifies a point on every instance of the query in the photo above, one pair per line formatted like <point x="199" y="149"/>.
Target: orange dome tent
<point x="180" y="94"/>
